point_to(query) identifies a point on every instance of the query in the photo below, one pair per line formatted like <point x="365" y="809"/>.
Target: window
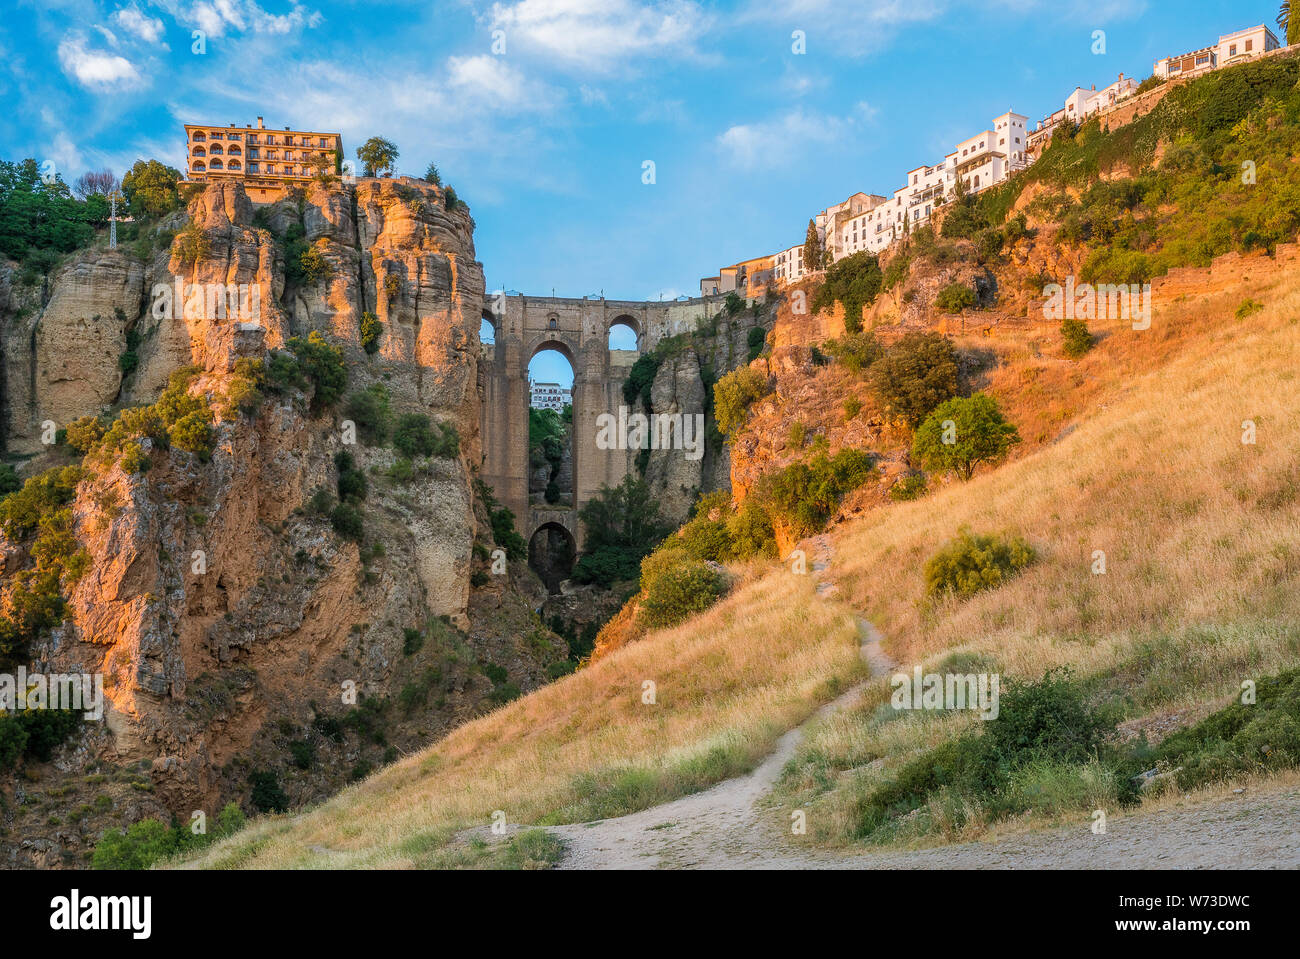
<point x="1232" y="50"/>
<point x="1250" y="45"/>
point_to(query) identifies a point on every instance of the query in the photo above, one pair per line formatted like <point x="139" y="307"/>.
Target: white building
<point x="549" y="396"/>
<point x="1232" y="48"/>
<point x="1084" y="103"/>
<point x="789" y="265"/>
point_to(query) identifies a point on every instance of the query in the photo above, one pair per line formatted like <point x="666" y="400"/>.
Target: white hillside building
<point x="789" y="265"/>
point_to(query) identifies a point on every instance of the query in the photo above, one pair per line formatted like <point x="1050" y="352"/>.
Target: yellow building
<point x="267" y="162"/>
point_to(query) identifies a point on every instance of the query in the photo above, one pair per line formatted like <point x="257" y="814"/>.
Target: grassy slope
<point x="728" y="684"/>
<point x="1201" y="534"/>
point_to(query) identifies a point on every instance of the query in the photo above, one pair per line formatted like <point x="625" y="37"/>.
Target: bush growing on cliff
<point x="192" y="244"/>
<point x="9" y="481"/>
<point x="502" y="520"/>
<point x="804" y="496"/>
<point x="417" y="436"/>
<point x="955" y="298"/>
<point x="319" y="365"/>
<point x="641" y="378"/>
<point x="856" y="351"/>
<point x="756" y="340"/>
<point x="734" y="394"/>
<point x="352" y="481"/>
<point x="915" y="375"/>
<point x="34" y="734"/>
<point x="855" y="282"/>
<point x="84" y="433"/>
<point x="371" y="330"/>
<point x="369" y="410"/>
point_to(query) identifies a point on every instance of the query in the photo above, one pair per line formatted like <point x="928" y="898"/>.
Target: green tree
<point x="322" y="364"/>
<point x="812" y="249"/>
<point x="377" y="156"/>
<point x="622" y="525"/>
<point x="1077" y="339"/>
<point x="963" y="433"/>
<point x="915" y="375"/>
<point x="432" y="175"/>
<point x="1288" y="26"/>
<point x="149" y="188"/>
<point x="371" y="330"/>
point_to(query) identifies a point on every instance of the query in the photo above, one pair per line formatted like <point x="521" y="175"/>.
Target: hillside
<point x="1169" y="449"/>
<point x="1199" y="594"/>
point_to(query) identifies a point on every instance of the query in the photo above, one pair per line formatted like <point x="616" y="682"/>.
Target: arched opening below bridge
<point x="550" y="427"/>
<point x="487" y="330"/>
<point x="551" y="554"/>
<point x="623" y="335"/>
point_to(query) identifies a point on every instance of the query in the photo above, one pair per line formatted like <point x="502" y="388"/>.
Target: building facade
<point x="267" y="162"/>
<point x="549" y="396"/>
<point x="1232" y="48"/>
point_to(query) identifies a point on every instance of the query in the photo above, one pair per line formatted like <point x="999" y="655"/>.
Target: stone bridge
<point x="579" y="329"/>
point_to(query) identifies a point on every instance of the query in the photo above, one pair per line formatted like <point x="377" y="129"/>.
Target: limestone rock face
<point x="676" y="476"/>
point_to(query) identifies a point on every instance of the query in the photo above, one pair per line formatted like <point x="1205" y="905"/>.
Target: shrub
<point x="915" y="375"/>
<point x="734" y="394"/>
<point x="681" y="591"/>
<point x="412" y="641"/>
<point x="313" y="267"/>
<point x="303" y="753"/>
<point x="640" y="379"/>
<point x="910" y="487"/>
<point x="805" y="495"/>
<point x="1077" y="339"/>
<point x="369" y="410"/>
<point x="85" y="432"/>
<point x="371" y="330"/>
<point x="977" y="430"/>
<point x="954" y="298"/>
<point x="971" y="563"/>
<point x="267" y="796"/>
<point x="192" y="244"/>
<point x="756" y="339"/>
<point x="852" y="407"/>
<point x="502" y="519"/>
<point x="322" y="366"/>
<point x="348" y="522"/>
<point x="9" y="481"/>
<point x="750" y="529"/>
<point x="352" y="481"/>
<point x="416" y="436"/>
<point x="193" y="433"/>
<point x="855" y="281"/>
<point x="856" y="351"/>
<point x="244" y="388"/>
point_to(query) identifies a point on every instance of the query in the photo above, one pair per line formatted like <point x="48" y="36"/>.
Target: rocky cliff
<point x="238" y="630"/>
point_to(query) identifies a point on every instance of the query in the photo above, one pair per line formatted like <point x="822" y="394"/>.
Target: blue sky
<point x="547" y="135"/>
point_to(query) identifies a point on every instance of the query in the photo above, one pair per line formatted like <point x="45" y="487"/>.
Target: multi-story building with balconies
<point x="267" y="162"/>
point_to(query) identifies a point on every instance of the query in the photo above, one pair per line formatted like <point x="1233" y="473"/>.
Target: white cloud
<point x="496" y="84"/>
<point x="217" y="17"/>
<point x="148" y="29"/>
<point x="780" y="141"/>
<point x="94" y="69"/>
<point x="601" y="36"/>
<point x="851" y="28"/>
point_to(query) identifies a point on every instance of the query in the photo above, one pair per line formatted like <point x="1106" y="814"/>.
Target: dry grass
<point x="728" y="683"/>
<point x="1201" y="534"/>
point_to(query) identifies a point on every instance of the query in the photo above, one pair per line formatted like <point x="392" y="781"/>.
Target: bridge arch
<point x="552" y="547"/>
